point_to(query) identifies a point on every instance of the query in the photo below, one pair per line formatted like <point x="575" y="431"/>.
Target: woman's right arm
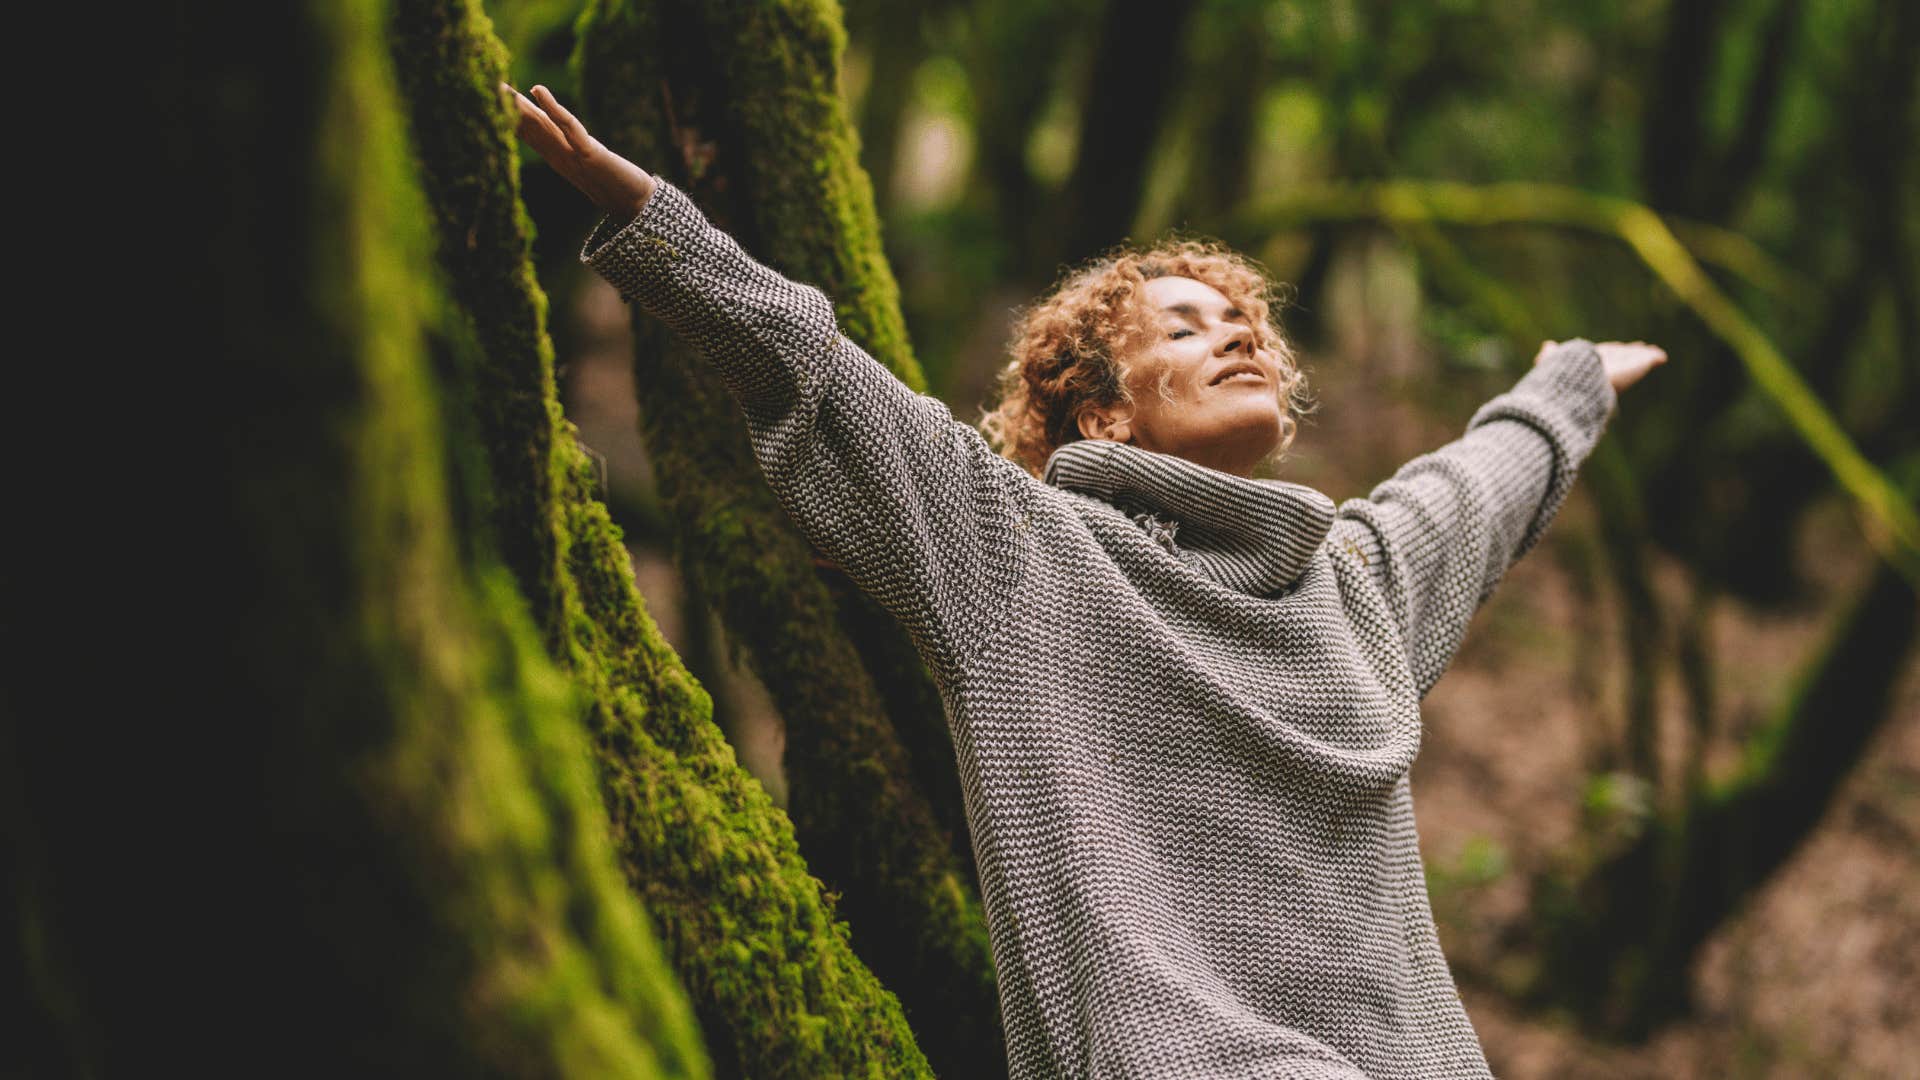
<point x="913" y="504"/>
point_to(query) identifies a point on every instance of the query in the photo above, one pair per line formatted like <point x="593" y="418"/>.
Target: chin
<point x="1251" y="439"/>
<point x="1265" y="431"/>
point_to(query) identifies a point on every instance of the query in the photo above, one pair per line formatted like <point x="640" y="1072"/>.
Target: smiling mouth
<point x="1238" y="374"/>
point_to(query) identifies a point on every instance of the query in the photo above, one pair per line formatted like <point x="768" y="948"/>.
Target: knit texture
<point x="1183" y="703"/>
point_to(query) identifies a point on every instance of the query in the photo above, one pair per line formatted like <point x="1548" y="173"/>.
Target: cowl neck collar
<point x="1256" y="536"/>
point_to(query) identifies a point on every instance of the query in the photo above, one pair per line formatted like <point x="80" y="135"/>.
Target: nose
<point x="1240" y="339"/>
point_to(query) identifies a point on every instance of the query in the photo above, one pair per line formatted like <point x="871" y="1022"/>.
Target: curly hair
<point x="1069" y="346"/>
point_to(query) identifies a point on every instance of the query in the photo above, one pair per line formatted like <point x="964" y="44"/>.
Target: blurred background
<point x="1670" y="794"/>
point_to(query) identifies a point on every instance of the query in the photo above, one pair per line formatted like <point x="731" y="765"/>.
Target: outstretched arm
<point x="1438" y="536"/>
<point x="912" y="503"/>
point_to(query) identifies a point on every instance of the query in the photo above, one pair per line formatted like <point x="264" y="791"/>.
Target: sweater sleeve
<point x="1438" y="536"/>
<point x="913" y="504"/>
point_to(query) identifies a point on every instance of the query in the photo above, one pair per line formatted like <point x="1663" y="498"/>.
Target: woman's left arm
<point x="1438" y="536"/>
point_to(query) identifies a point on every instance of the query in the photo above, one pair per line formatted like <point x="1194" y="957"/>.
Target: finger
<point x="539" y="129"/>
<point x="530" y="112"/>
<point x="576" y="132"/>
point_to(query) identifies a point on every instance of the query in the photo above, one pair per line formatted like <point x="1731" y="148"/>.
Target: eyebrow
<point x="1184" y="308"/>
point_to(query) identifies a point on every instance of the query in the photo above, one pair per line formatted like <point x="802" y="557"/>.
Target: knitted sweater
<point x="1183" y="703"/>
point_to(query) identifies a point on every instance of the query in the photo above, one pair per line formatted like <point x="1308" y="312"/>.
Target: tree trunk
<point x="355" y="830"/>
<point x="1012" y="59"/>
<point x="743" y="112"/>
<point x="777" y="989"/>
<point x="1123" y="112"/>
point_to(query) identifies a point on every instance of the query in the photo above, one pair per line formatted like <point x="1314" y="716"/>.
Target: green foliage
<point x="1616" y="807"/>
<point x="1481" y="862"/>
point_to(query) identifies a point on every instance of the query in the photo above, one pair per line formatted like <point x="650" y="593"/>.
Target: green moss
<point x="449" y="54"/>
<point x="505" y="841"/>
<point x="764" y="145"/>
<point x="773" y="981"/>
<point x="374" y="841"/>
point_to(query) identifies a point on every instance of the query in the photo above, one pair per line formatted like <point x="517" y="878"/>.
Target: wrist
<point x="630" y="204"/>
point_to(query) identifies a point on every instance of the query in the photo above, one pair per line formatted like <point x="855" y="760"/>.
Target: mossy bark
<point x="777" y="988"/>
<point x="738" y="103"/>
<point x="370" y="843"/>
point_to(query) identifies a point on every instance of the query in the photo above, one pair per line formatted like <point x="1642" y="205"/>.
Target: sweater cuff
<point x="1568" y="399"/>
<point x="1574" y="380"/>
<point x="1567" y="395"/>
<point x="631" y="254"/>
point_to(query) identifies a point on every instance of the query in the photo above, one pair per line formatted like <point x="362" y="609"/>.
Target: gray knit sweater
<point x="1183" y="703"/>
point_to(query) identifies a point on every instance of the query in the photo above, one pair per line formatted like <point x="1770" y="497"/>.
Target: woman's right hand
<point x="617" y="186"/>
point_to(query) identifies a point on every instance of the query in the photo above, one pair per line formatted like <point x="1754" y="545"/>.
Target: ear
<point x="1115" y="423"/>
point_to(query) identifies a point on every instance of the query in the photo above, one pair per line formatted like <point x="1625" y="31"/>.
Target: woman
<point x="1184" y="701"/>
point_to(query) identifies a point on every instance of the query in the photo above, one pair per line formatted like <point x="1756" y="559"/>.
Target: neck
<point x="1232" y="460"/>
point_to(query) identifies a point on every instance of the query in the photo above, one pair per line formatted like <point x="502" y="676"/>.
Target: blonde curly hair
<point x="1068" y="346"/>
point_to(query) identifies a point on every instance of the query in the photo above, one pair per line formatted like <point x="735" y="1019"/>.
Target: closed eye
<point x="1176" y="334"/>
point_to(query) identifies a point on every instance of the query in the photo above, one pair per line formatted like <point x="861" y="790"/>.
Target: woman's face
<point x="1225" y="411"/>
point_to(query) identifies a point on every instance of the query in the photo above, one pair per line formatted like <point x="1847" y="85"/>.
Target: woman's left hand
<point x="1625" y="361"/>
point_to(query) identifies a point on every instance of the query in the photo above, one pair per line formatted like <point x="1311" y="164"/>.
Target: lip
<point x="1236" y="368"/>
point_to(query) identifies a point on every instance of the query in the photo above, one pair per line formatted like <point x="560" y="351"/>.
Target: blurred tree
<point x="1014" y="56"/>
<point x="739" y="104"/>
<point x="897" y="42"/>
<point x="1126" y="106"/>
<point x="373" y="843"/>
<point x="1091" y="82"/>
<point x="968" y="263"/>
<point x="1221" y="109"/>
<point x="1863" y="324"/>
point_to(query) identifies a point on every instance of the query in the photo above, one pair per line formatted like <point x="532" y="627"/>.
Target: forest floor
<point x="1818" y="976"/>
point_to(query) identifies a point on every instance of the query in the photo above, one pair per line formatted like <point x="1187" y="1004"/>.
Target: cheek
<point x="1153" y="374"/>
<point x="1186" y="377"/>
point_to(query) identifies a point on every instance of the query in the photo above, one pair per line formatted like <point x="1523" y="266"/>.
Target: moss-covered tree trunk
<point x="739" y="104"/>
<point x="371" y="843"/>
<point x="777" y="989"/>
